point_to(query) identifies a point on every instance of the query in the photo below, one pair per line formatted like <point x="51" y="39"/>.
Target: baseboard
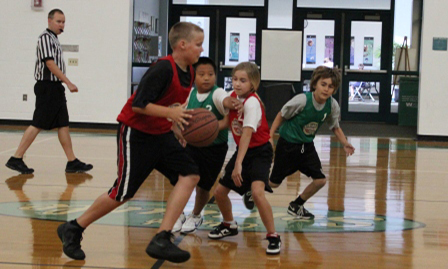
<point x="84" y="125"/>
<point x="432" y="138"/>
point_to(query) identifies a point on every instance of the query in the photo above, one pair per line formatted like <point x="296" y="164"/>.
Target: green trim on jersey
<point x="303" y="127"/>
<point x="208" y="104"/>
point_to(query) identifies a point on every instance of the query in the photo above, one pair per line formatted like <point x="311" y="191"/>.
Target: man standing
<point x="51" y="104"/>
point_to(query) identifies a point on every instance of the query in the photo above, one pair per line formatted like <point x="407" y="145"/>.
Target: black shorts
<point x="139" y="153"/>
<point x="289" y="158"/>
<point x="51" y="106"/>
<point x="210" y="161"/>
<point x="256" y="165"/>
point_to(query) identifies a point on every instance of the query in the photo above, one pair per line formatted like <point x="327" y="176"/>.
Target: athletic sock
<point x="299" y="201"/>
<point x="74" y="222"/>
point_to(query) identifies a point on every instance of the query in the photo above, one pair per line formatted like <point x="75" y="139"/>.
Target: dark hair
<point x="205" y="61"/>
<point x="53" y="11"/>
<point x="326" y="72"/>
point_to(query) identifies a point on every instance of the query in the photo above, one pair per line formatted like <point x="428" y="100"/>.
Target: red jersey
<point x="175" y="95"/>
<point x="260" y="137"/>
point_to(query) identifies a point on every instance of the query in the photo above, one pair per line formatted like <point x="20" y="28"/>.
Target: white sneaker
<point x="179" y="222"/>
<point x="192" y="224"/>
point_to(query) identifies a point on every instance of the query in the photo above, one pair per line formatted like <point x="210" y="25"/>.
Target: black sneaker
<point x="76" y="166"/>
<point x="223" y="230"/>
<point x="18" y="165"/>
<point x="71" y="237"/>
<point x="248" y="200"/>
<point x="299" y="211"/>
<point x="274" y="245"/>
<point x="161" y="247"/>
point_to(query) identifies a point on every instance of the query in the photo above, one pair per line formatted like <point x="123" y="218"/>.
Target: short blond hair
<point x="326" y="72"/>
<point x="182" y="30"/>
<point x="252" y="73"/>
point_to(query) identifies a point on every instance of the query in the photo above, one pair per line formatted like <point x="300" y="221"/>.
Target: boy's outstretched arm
<point x="277" y="122"/>
<point x="224" y="123"/>
<point x="233" y="104"/>
<point x="348" y="148"/>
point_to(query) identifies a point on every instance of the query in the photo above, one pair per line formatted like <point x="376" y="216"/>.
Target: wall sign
<point x="439" y="43"/>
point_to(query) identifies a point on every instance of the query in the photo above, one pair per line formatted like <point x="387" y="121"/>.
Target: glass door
<point x="241" y="31"/>
<point x="366" y="87"/>
<point x="358" y="42"/>
<point x="231" y="35"/>
<point x="321" y="41"/>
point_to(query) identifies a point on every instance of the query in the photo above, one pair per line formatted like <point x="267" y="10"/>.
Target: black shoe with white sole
<point x="299" y="211"/>
<point x="223" y="230"/>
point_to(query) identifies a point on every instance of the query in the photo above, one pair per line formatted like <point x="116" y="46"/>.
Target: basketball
<point x="203" y="128"/>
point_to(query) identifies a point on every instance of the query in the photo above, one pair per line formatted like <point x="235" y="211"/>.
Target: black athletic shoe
<point x="299" y="211"/>
<point x="274" y="245"/>
<point x="18" y="165"/>
<point x="76" y="166"/>
<point x="248" y="200"/>
<point x="223" y="230"/>
<point x="161" y="247"/>
<point x="71" y="237"/>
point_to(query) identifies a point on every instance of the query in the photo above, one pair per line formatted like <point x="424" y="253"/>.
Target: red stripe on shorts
<point x="120" y="164"/>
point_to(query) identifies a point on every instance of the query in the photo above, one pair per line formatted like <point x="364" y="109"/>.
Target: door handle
<point x="346" y="70"/>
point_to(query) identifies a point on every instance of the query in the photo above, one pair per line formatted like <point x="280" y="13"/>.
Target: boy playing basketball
<point x="145" y="142"/>
<point x="299" y="120"/>
<point x="210" y="159"/>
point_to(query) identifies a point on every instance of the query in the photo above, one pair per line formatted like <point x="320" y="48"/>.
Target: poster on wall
<point x="329" y="48"/>
<point x="252" y="39"/>
<point x="234" y="47"/>
<point x="310" y="49"/>
<point x="368" y="51"/>
<point x="352" y="51"/>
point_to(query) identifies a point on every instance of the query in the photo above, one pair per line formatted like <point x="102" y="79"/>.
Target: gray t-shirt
<point x="298" y="103"/>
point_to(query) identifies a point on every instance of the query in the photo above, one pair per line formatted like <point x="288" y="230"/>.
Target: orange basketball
<point x="203" y="128"/>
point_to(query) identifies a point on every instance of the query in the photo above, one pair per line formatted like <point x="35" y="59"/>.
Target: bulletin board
<point x="281" y="55"/>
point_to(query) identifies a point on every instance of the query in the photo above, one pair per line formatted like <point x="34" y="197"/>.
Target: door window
<point x="365" y="45"/>
<point x="240" y="40"/>
<point x="318" y="43"/>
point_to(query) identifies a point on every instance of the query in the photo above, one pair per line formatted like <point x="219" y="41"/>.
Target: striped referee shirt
<point x="48" y="47"/>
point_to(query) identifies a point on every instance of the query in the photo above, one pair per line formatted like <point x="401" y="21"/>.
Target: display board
<point x="281" y="55"/>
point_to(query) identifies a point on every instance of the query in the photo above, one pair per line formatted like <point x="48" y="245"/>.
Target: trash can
<point x="408" y="101"/>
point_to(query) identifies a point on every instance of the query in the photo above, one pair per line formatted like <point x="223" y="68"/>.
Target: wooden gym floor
<point x="384" y="207"/>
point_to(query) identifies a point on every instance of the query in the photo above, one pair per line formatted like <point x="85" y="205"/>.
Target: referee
<point x="51" y="106"/>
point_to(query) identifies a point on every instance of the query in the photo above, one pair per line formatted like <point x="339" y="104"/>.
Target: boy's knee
<point x="257" y="194"/>
<point x="320" y="182"/>
<point x="219" y="192"/>
<point x="195" y="179"/>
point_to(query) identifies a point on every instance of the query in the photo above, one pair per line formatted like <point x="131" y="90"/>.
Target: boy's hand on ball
<point x="179" y="115"/>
